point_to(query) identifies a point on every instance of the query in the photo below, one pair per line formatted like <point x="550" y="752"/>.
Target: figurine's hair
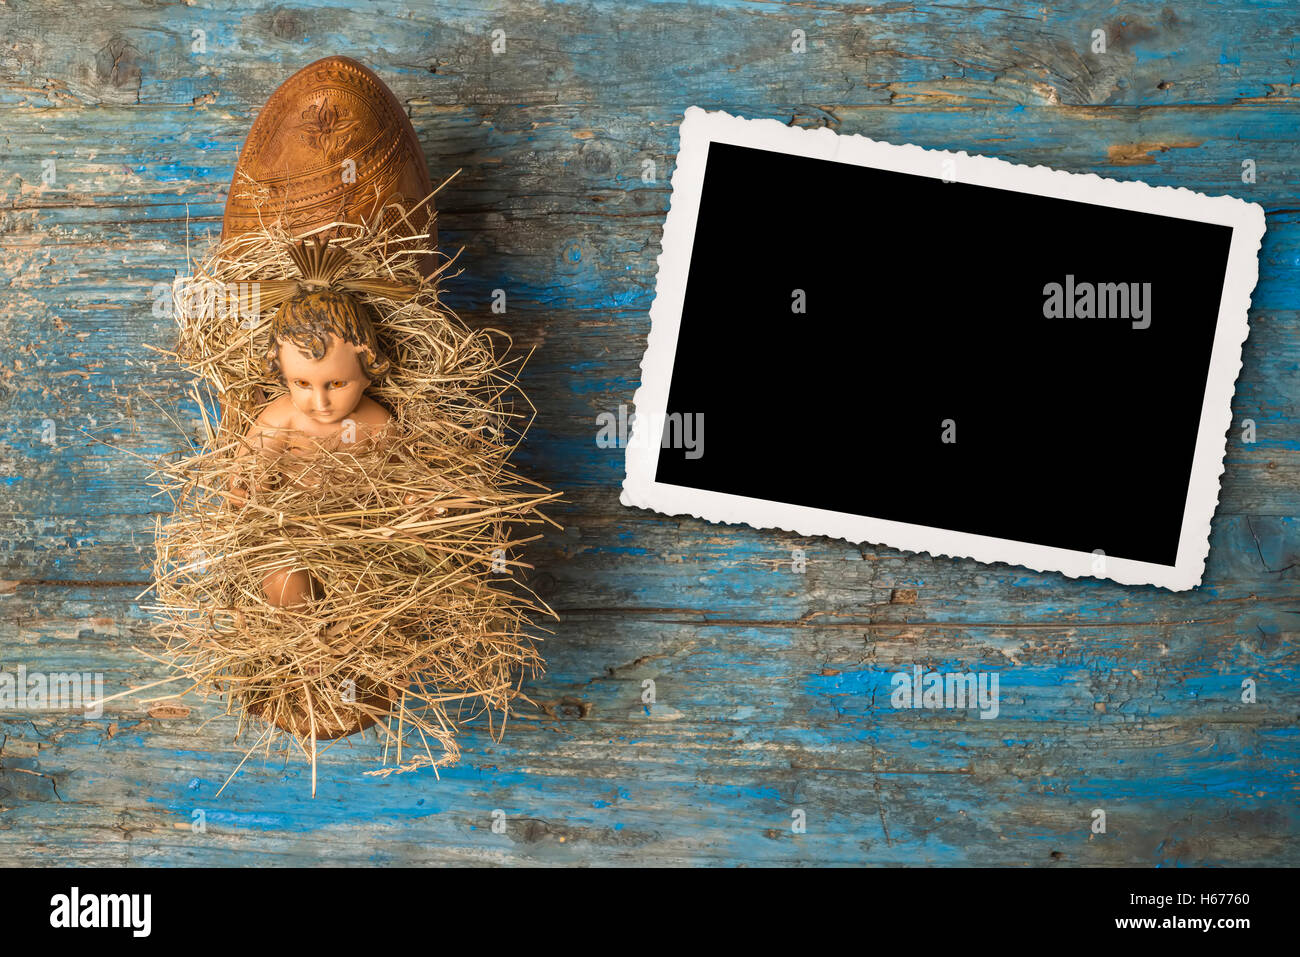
<point x="308" y="321"/>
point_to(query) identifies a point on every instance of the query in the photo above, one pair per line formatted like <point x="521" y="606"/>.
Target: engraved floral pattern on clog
<point x="327" y="129"/>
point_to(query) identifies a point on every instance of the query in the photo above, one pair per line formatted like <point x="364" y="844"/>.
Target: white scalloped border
<point x="699" y="128"/>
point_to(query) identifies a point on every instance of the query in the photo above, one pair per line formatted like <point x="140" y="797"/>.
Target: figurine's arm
<point x="373" y="426"/>
<point x="372" y="421"/>
<point x="264" y="437"/>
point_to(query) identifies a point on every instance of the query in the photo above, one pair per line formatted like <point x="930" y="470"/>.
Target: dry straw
<point x="419" y="623"/>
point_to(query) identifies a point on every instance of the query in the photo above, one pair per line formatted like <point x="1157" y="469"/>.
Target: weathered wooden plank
<point x="794" y="727"/>
<point x="771" y="686"/>
<point x="1018" y="52"/>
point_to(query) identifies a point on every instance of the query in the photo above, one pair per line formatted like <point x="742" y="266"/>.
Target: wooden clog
<point x="332" y="144"/>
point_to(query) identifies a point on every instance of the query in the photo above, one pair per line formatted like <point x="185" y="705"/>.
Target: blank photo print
<point x="941" y="353"/>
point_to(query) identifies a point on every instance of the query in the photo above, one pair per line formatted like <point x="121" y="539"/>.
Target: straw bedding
<point x="418" y="622"/>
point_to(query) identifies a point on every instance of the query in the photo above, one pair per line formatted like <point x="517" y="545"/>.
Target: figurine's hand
<point x="413" y="497"/>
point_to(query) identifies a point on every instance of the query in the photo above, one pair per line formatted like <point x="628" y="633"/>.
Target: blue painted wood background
<point x="771" y="686"/>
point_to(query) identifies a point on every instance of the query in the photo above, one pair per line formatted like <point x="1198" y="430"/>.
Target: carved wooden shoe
<point x="332" y="143"/>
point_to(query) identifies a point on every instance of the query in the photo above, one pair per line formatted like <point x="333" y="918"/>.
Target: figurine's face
<point x="326" y="389"/>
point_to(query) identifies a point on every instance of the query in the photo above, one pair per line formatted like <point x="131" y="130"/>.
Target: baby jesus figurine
<point x="324" y="351"/>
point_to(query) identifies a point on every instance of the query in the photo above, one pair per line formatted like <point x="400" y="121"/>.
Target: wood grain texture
<point x="772" y="687"/>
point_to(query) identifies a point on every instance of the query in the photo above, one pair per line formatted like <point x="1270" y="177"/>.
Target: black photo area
<point x="924" y="303"/>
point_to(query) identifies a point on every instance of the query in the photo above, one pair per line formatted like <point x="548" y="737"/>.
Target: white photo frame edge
<point x="699" y="128"/>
